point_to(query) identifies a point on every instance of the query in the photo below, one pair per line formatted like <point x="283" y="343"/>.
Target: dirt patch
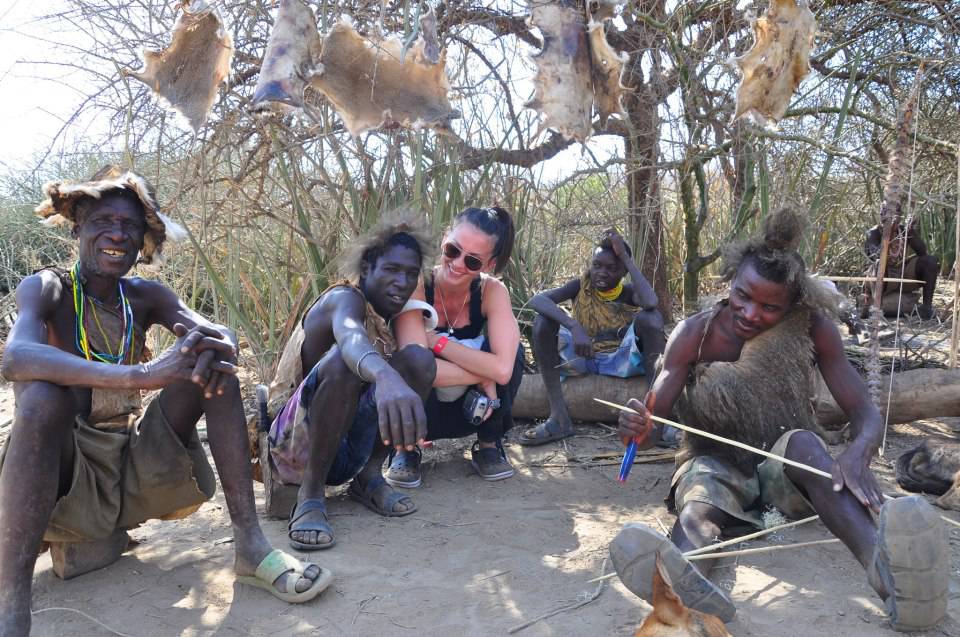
<point x="476" y="559"/>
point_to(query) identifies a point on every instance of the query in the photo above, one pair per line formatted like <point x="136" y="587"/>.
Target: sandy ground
<point x="476" y="559"/>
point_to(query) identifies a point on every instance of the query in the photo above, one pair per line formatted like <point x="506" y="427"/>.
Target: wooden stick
<point x="735" y="443"/>
<point x="760" y="549"/>
<point x="861" y="279"/>
<point x="955" y="328"/>
<point x="744" y="538"/>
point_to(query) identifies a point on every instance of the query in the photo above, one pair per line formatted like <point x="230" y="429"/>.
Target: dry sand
<point x="476" y="559"/>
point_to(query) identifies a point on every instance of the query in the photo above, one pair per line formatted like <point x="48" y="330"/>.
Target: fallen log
<point x="917" y="394"/>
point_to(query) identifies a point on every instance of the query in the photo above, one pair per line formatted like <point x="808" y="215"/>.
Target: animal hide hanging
<point x="564" y="82"/>
<point x="186" y="74"/>
<point x="373" y="83"/>
<point x="290" y="58"/>
<point x="779" y="59"/>
<point x="577" y="69"/>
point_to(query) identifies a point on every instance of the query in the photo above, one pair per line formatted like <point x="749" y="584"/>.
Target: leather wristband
<point x="440" y="344"/>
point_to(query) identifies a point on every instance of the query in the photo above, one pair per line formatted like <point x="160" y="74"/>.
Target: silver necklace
<point x="443" y="306"/>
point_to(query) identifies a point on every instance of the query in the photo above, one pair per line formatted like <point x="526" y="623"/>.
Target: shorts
<point x="720" y="483"/>
<point x="623" y="362"/>
<point x="289" y="437"/>
<point x="124" y="478"/>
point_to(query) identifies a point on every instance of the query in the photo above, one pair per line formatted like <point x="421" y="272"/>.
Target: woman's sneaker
<point x="404" y="469"/>
<point x="491" y="463"/>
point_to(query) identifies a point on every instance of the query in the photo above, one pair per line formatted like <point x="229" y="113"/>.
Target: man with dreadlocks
<point x="84" y="462"/>
<point x="611" y="323"/>
<point x="745" y="371"/>
<point x="342" y="382"/>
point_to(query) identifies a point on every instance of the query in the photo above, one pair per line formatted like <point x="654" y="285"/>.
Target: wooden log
<point x="917" y="394"/>
<point x="71" y="559"/>
<point x="278" y="499"/>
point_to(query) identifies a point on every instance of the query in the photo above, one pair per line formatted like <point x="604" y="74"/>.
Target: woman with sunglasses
<point x="476" y="344"/>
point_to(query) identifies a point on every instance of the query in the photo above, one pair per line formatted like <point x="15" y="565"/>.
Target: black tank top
<point x="474" y="328"/>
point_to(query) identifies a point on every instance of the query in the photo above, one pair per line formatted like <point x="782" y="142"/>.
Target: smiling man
<point x="84" y="461"/>
<point x="343" y="383"/>
<point x="614" y="329"/>
<point x="746" y="370"/>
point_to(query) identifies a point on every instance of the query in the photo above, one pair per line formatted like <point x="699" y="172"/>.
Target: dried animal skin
<point x="428" y="32"/>
<point x="370" y="87"/>
<point x="563" y="84"/>
<point x="606" y="70"/>
<point x="779" y="60"/>
<point x="289" y="61"/>
<point x="186" y="74"/>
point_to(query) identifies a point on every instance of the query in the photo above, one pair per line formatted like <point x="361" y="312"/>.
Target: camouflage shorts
<point x="722" y="484"/>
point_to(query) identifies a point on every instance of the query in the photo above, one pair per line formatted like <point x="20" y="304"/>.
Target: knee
<point x="805" y="446"/>
<point x="333" y="370"/>
<point x="698" y="516"/>
<point x="418" y="362"/>
<point x="43" y="404"/>
<point x="930" y="264"/>
<point x="649" y="320"/>
<point x="544" y="327"/>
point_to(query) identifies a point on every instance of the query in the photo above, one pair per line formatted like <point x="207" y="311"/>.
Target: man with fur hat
<point x="342" y="382"/>
<point x="745" y="370"/>
<point x="84" y="462"/>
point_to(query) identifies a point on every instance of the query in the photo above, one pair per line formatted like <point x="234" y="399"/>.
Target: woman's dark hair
<point x="495" y="222"/>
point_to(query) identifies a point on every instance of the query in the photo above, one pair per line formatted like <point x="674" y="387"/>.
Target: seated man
<point x="920" y="266"/>
<point x="80" y="465"/>
<point x="343" y="383"/>
<point x="612" y="323"/>
<point x="744" y="370"/>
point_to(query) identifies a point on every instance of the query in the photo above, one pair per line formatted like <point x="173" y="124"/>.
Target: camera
<point x="475" y="405"/>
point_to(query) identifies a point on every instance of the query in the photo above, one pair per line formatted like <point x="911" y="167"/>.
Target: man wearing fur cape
<point x="745" y="370"/>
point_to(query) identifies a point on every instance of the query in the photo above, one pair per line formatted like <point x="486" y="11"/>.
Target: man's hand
<point x="582" y="343"/>
<point x="618" y="245"/>
<point x="851" y="469"/>
<point x="216" y="356"/>
<point x="172" y="365"/>
<point x="638" y="426"/>
<point x="403" y="422"/>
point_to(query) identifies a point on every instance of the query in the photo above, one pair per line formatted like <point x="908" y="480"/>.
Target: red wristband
<point x="441" y="343"/>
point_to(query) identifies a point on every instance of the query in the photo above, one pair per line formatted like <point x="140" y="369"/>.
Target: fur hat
<point x="60" y="207"/>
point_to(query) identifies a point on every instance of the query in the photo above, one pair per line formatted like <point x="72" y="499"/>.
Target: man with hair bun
<point x="343" y="383"/>
<point x="745" y="370"/>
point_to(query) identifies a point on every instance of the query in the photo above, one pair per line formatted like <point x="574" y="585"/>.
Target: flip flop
<point x="275" y="564"/>
<point x="547" y="431"/>
<point x="364" y="495"/>
<point x="301" y="509"/>
<point x="634" y="555"/>
<point x="404" y="469"/>
<point x="912" y="561"/>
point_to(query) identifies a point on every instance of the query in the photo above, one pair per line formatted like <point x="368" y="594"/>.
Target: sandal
<point x="404" y="469"/>
<point x="634" y="554"/>
<point x="275" y="564"/>
<point x="363" y="493"/>
<point x="300" y="510"/>
<point x="912" y="562"/>
<point x="547" y="431"/>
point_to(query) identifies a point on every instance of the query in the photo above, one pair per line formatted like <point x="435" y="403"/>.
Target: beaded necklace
<point x="83" y="343"/>
<point x="613" y="294"/>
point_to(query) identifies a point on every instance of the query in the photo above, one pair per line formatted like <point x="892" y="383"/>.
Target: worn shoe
<point x="404" y="470"/>
<point x="912" y="563"/>
<point x="634" y="555"/>
<point x="491" y="463"/>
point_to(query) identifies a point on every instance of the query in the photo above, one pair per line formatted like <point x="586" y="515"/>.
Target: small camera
<point x="475" y="405"/>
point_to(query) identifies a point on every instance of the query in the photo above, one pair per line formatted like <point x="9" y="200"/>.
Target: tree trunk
<point x="917" y="394"/>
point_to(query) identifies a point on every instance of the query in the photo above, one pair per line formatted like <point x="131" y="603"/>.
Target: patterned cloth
<point x="602" y="320"/>
<point x="293" y="393"/>
<point x="623" y="362"/>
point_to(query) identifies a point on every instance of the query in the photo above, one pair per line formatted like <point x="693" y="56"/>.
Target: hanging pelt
<point x="576" y="68"/>
<point x="779" y="59"/>
<point x="186" y="74"/>
<point x="291" y="57"/>
<point x="373" y="82"/>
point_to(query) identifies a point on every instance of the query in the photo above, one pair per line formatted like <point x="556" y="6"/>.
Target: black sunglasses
<point x="451" y="251"/>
